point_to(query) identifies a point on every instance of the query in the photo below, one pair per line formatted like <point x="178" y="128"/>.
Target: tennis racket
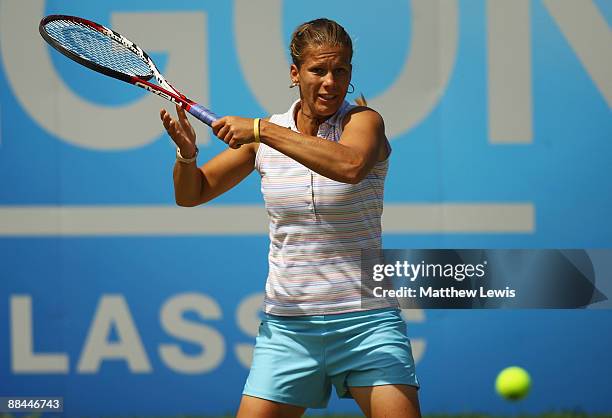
<point x="107" y="52"/>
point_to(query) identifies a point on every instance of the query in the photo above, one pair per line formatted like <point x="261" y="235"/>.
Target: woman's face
<point x="323" y="77"/>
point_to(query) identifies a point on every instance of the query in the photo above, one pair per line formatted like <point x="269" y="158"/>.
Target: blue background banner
<point x="499" y="118"/>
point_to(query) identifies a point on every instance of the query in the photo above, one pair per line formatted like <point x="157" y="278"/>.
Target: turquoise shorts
<point x="297" y="359"/>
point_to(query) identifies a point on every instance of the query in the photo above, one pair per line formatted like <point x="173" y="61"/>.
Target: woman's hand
<point x="234" y="131"/>
<point x="180" y="131"/>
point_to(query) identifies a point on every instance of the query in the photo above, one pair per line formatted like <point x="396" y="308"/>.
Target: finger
<point x="172" y="131"/>
<point x="182" y="118"/>
<point x="168" y="122"/>
<point x="165" y="117"/>
<point x="223" y="133"/>
<point x="218" y="124"/>
<point x="180" y="112"/>
<point x="234" y="144"/>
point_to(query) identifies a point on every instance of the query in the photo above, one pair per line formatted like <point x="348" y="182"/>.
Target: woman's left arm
<point x="349" y="160"/>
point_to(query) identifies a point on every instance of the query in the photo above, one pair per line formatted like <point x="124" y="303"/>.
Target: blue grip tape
<point x="203" y="114"/>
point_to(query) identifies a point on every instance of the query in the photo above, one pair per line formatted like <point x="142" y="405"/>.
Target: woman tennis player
<point x="322" y="165"/>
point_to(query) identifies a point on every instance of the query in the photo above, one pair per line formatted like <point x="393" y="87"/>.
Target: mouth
<point x="328" y="97"/>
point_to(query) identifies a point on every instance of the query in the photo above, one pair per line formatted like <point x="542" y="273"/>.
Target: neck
<point x="307" y="123"/>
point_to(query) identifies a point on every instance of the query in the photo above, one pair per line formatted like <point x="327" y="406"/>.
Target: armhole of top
<point x="259" y="156"/>
<point x="389" y="149"/>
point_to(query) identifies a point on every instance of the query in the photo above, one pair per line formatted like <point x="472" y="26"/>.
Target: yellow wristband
<point x="256" y="129"/>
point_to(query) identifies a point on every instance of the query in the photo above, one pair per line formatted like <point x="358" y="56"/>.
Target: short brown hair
<point x="317" y="33"/>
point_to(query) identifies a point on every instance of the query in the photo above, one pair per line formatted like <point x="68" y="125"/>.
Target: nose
<point x="329" y="79"/>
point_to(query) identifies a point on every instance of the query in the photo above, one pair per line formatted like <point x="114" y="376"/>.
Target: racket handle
<point x="203" y="114"/>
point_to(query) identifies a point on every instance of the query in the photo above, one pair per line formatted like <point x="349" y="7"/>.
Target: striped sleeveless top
<point x="318" y="228"/>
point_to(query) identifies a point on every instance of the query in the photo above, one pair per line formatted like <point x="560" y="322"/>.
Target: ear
<point x="294" y="73"/>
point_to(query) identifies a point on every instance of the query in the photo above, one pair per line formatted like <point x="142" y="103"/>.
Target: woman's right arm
<point x="195" y="185"/>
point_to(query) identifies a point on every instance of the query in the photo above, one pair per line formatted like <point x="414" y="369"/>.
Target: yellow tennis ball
<point x="513" y="383"/>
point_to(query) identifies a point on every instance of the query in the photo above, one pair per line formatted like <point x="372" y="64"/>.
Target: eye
<point x="318" y="71"/>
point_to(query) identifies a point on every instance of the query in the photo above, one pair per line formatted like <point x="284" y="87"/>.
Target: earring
<point x="352" y="91"/>
<point x="293" y="84"/>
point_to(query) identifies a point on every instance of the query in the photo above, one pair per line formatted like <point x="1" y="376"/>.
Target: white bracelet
<point x="184" y="160"/>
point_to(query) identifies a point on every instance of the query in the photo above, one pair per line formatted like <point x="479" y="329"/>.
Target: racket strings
<point x="94" y="46"/>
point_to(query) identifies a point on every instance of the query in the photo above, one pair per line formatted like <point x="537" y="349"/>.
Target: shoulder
<point x="363" y="115"/>
<point x="366" y="122"/>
